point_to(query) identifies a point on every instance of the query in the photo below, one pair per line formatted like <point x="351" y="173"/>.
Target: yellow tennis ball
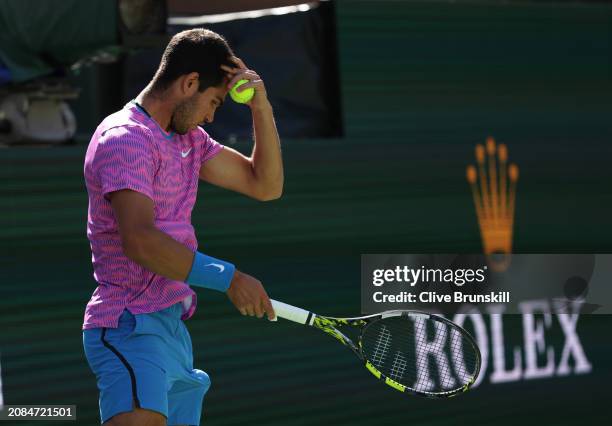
<point x="244" y="96"/>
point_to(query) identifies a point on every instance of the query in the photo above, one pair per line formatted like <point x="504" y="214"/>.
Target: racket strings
<point x="423" y="348"/>
<point x="382" y="346"/>
<point x="399" y="367"/>
<point x="422" y="354"/>
<point x="462" y="358"/>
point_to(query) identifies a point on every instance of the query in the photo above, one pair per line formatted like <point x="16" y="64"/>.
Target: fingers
<point x="231" y="74"/>
<point x="261" y="305"/>
<point x="247" y="310"/>
<point x="245" y="75"/>
<point x="259" y="309"/>
<point x="253" y="83"/>
<point x="250" y="310"/>
<point x="259" y="312"/>
<point x="249" y="296"/>
<point x="265" y="307"/>
<point x="238" y="68"/>
<point x="238" y="72"/>
<point x="238" y="62"/>
<point x="231" y="70"/>
<point x="269" y="309"/>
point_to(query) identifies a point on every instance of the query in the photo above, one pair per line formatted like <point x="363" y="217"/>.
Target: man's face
<point x="198" y="109"/>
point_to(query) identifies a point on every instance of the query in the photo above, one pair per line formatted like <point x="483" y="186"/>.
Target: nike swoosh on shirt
<point x="186" y="153"/>
<point x="216" y="265"/>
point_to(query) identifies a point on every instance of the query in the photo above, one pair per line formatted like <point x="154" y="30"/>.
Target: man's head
<point x="191" y="68"/>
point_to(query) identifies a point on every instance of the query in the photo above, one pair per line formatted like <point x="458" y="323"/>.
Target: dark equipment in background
<point x="292" y="48"/>
<point x="42" y="44"/>
<point x="87" y="59"/>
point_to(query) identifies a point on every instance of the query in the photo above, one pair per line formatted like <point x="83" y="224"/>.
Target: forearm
<point x="159" y="253"/>
<point x="266" y="158"/>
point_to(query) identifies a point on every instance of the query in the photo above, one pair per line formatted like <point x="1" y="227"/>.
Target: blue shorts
<point x="147" y="362"/>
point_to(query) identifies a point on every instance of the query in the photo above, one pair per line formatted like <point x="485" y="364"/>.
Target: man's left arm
<point x="261" y="175"/>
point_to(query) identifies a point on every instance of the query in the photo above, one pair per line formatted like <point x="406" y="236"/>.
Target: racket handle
<point x="291" y="313"/>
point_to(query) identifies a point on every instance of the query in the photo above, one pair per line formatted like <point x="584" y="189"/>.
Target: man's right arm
<point x="145" y="244"/>
<point x="156" y="251"/>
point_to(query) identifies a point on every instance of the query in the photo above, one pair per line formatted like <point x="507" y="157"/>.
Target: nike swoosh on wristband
<point x="216" y="265"/>
<point x="186" y="153"/>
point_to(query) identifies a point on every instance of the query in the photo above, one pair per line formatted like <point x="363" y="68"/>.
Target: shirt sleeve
<point x="210" y="147"/>
<point x="126" y="159"/>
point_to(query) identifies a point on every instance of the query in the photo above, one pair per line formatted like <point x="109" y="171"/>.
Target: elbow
<point x="270" y="195"/>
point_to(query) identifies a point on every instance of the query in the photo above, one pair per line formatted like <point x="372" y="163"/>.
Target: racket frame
<point x="330" y="325"/>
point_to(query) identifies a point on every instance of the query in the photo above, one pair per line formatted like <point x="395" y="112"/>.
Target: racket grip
<point x="291" y="313"/>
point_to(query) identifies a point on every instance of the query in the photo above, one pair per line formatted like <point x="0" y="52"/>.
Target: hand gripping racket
<point x="414" y="352"/>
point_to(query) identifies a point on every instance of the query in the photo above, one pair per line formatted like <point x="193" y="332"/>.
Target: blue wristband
<point x="209" y="272"/>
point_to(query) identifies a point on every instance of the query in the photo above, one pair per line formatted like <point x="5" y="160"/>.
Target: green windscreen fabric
<point x="38" y="37"/>
<point x="437" y="70"/>
<point x="305" y="247"/>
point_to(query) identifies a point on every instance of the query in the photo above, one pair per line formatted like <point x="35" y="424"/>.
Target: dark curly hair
<point x="196" y="50"/>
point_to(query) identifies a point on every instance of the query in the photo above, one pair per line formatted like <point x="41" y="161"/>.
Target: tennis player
<point x="141" y="171"/>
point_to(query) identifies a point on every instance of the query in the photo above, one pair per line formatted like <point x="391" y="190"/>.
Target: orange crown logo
<point x="494" y="195"/>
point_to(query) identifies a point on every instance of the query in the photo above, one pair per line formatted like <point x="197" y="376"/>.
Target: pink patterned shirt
<point x="130" y="151"/>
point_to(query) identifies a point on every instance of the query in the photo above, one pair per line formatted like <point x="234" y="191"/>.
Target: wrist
<point x="235" y="278"/>
<point x="261" y="106"/>
<point x="209" y="272"/>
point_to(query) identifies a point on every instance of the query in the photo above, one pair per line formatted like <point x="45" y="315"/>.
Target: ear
<point x="190" y="83"/>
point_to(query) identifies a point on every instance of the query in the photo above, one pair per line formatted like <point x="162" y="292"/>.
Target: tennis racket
<point x="414" y="352"/>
